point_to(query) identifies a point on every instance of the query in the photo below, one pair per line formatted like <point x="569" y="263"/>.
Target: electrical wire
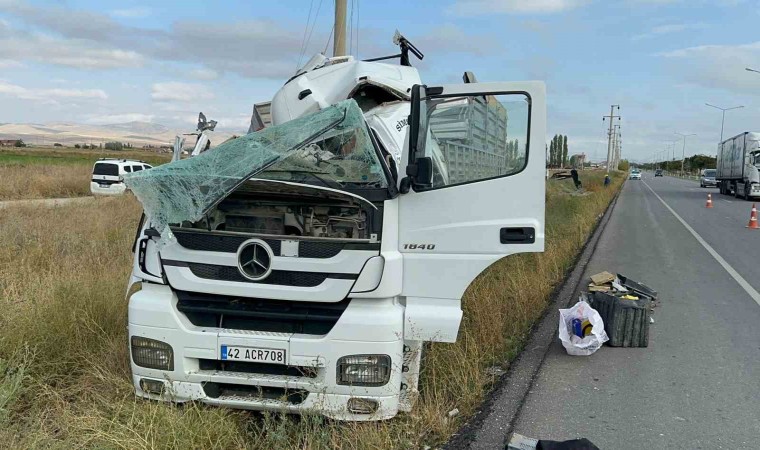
<point x="327" y="44"/>
<point x="357" y="29"/>
<point x="314" y="25"/>
<point x="351" y="29"/>
<point x="301" y="51"/>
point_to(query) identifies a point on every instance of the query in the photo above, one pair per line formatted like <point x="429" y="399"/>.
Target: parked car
<point x="107" y="175"/>
<point x="708" y="179"/>
<point x="635" y="175"/>
<point x="658" y="173"/>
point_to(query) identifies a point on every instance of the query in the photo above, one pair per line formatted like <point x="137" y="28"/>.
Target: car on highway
<point x="635" y="175"/>
<point x="708" y="178"/>
<point x="658" y="173"/>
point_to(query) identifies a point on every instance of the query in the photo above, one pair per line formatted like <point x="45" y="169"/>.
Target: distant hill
<point x="138" y="134"/>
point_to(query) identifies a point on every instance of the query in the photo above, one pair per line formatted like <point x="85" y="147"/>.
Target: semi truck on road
<point x="302" y="267"/>
<point x="738" y="165"/>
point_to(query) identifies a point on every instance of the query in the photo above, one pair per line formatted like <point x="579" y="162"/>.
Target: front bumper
<point x="367" y="326"/>
<point x="712" y="183"/>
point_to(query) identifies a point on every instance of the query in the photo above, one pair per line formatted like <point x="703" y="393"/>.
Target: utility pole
<point x="612" y="117"/>
<point x="683" y="151"/>
<point x="616" y="148"/>
<point x="339" y="31"/>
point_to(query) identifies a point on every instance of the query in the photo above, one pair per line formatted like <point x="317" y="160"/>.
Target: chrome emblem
<point x="255" y="259"/>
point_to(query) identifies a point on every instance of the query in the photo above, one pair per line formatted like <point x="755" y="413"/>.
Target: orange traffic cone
<point x="709" y="201"/>
<point x="753" y="218"/>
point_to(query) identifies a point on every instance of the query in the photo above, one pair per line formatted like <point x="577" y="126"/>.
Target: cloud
<point x="486" y="7"/>
<point x="137" y="12"/>
<point x="252" y="48"/>
<point x="452" y="39"/>
<point x="718" y="66"/>
<point x="75" y="53"/>
<point x="668" y="29"/>
<point x="204" y="74"/>
<point x="53" y="94"/>
<point x="119" y="118"/>
<point x="175" y="91"/>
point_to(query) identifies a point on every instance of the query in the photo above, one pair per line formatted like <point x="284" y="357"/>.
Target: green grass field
<point x="73" y="156"/>
<point x="64" y="362"/>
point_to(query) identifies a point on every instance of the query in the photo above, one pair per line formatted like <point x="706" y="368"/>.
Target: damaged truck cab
<point x="302" y="267"/>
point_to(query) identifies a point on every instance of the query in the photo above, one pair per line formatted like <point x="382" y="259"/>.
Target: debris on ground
<point x="520" y="442"/>
<point x="495" y="371"/>
<point x="602" y="278"/>
<point x="625" y="306"/>
<point x="581" y="329"/>
<point x="453" y="413"/>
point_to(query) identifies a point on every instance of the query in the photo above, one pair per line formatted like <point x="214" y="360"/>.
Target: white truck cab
<point x="108" y="175"/>
<point x="312" y="282"/>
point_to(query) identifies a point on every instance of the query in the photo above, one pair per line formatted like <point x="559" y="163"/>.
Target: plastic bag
<point x="576" y="345"/>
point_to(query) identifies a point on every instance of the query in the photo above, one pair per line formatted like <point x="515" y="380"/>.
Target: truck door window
<point x="473" y="138"/>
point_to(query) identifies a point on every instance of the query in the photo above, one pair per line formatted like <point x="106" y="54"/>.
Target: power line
<point x="303" y="39"/>
<point x="357" y="29"/>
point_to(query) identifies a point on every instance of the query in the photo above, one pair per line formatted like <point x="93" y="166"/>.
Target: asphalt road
<point x="697" y="385"/>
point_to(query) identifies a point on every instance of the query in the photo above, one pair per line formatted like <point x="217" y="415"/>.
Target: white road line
<point x="734" y="274"/>
<point x="729" y="201"/>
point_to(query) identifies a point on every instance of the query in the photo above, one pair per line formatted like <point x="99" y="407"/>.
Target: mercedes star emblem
<point x="255" y="259"/>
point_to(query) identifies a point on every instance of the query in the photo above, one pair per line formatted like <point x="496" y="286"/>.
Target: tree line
<point x="558" y="151"/>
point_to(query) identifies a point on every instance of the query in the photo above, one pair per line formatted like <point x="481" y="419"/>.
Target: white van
<point x="107" y="175"/>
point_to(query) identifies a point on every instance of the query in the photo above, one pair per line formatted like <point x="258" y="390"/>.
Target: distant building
<point x="8" y="142"/>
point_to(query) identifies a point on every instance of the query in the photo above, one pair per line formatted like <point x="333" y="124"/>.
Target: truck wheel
<point x="736" y="190"/>
<point x="746" y="191"/>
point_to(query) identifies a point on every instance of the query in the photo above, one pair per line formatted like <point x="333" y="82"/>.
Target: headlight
<point x="364" y="370"/>
<point x="152" y="354"/>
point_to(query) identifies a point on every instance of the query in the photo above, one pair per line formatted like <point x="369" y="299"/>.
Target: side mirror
<point x="421" y="172"/>
<point x="424" y="171"/>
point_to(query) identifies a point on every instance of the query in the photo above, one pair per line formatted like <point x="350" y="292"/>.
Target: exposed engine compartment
<point x="288" y="209"/>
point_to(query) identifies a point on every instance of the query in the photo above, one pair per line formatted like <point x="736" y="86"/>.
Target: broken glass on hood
<point x="330" y="148"/>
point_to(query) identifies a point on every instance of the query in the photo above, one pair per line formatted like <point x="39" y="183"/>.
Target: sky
<point x="103" y="61"/>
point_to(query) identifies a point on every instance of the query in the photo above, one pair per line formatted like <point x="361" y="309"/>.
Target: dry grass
<point x="64" y="374"/>
<point x="44" y="181"/>
<point x="27" y="173"/>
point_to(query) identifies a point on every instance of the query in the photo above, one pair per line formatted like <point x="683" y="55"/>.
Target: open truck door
<point x="474" y="192"/>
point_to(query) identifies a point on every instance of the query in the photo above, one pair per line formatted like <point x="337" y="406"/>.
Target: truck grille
<point x="257" y="368"/>
<point x="221" y="311"/>
<point x="209" y="242"/>
<point x="244" y="392"/>
<point x="279" y="277"/>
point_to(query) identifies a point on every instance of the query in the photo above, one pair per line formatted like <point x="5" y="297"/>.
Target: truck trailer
<point x="737" y="165"/>
<point x="301" y="267"/>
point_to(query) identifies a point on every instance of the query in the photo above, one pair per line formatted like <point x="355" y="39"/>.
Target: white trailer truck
<point x="737" y="167"/>
<point x="301" y="267"/>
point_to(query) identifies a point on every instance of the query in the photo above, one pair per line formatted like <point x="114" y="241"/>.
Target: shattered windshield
<point x="329" y="148"/>
<point x="339" y="158"/>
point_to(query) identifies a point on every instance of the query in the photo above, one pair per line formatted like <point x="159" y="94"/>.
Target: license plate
<point x="253" y="354"/>
<point x="103" y="185"/>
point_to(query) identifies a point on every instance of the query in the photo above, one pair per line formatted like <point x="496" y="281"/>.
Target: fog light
<point x="152" y="354"/>
<point x="152" y="386"/>
<point x="364" y="370"/>
<point x="362" y="405"/>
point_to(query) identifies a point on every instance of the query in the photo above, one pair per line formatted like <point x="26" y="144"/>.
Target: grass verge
<point x="64" y="373"/>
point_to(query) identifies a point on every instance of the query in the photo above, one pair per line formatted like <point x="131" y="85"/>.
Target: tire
<point x="746" y="191"/>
